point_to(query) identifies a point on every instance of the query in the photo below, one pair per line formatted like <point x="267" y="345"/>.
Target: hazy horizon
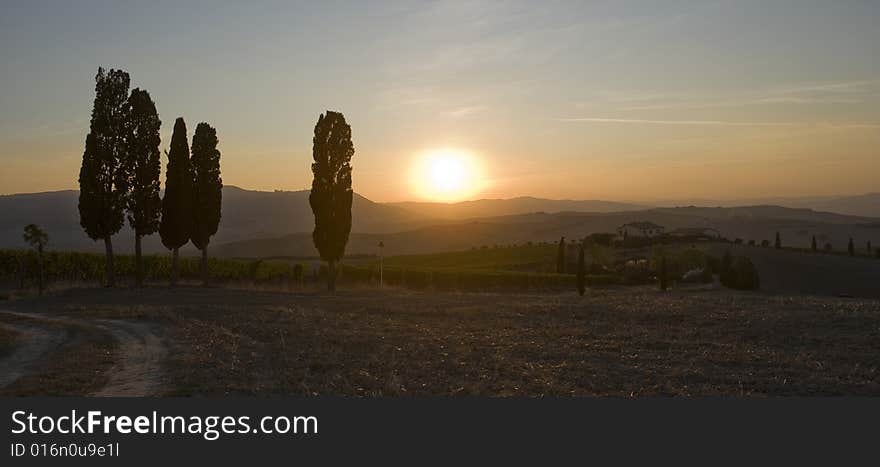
<point x="619" y="101"/>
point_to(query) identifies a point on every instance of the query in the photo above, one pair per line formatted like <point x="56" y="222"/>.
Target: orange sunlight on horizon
<point x="447" y="175"/>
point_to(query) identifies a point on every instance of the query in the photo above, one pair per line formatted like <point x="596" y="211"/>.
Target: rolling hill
<point x="505" y="207"/>
<point x="246" y="215"/>
<point x="259" y="223"/>
<point x="757" y="223"/>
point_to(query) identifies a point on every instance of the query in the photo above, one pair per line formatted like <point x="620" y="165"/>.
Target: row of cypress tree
<point x="121" y="166"/>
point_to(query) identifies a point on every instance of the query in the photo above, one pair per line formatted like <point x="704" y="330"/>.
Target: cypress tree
<point x="331" y="195"/>
<point x="176" y="224"/>
<point x="207" y="190"/>
<point x="851" y="247"/>
<point x="778" y="243"/>
<point x="143" y="167"/>
<point x="868" y="247"/>
<point x="560" y="257"/>
<point x="102" y="180"/>
<point x="581" y="273"/>
<point x="813" y="245"/>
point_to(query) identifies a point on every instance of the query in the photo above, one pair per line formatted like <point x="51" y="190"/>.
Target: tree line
<point x="121" y="166"/>
<point x="119" y="177"/>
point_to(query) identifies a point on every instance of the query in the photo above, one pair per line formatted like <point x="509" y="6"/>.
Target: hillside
<point x="795" y="226"/>
<point x="505" y="207"/>
<point x="246" y="215"/>
<point x="259" y="223"/>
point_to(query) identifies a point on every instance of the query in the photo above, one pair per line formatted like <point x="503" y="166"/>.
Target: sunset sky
<point x="622" y="100"/>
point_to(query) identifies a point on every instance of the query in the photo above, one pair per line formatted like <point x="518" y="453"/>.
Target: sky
<point x="618" y="100"/>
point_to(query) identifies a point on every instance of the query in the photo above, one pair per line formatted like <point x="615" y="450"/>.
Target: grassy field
<point x="535" y="257"/>
<point x="613" y="342"/>
<point x="503" y="268"/>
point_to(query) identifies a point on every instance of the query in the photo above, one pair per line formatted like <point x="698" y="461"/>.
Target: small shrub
<point x="741" y="275"/>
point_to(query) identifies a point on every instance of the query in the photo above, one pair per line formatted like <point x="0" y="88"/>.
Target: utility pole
<point x="381" y="247"/>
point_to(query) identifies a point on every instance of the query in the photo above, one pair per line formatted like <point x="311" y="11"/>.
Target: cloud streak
<point x="639" y="121"/>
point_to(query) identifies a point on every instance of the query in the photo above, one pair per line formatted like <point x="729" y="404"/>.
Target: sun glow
<point x="447" y="175"/>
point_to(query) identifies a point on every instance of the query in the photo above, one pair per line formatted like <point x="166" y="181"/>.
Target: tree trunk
<point x="331" y="276"/>
<point x="205" y="265"/>
<point x="108" y="246"/>
<point x="138" y="262"/>
<point x="40" y="266"/>
<point x="174" y="270"/>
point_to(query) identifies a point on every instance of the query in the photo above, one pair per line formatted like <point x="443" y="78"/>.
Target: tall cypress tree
<point x="581" y="272"/>
<point x="813" y="244"/>
<point x="102" y="180"/>
<point x="207" y="190"/>
<point x="851" y="247"/>
<point x="176" y="225"/>
<point x="143" y="167"/>
<point x="560" y="256"/>
<point x="331" y="194"/>
<point x="778" y="243"/>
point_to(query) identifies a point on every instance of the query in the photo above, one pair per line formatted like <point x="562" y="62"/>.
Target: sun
<point x="447" y="175"/>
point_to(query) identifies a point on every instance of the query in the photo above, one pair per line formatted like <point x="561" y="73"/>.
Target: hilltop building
<point x="640" y="229"/>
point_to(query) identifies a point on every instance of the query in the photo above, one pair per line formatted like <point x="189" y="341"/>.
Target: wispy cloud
<point x="638" y="121"/>
<point x="828" y="93"/>
<point x="466" y="111"/>
<point x="833" y="87"/>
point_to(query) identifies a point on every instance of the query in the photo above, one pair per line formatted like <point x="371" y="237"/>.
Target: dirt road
<point x="137" y="369"/>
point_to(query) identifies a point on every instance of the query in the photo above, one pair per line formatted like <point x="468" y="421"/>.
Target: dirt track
<point x="36" y="342"/>
<point x="137" y="369"/>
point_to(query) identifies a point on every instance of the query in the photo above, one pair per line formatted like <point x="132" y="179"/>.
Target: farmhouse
<point x="640" y="229"/>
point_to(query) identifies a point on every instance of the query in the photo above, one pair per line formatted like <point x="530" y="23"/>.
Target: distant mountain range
<point x="505" y="207"/>
<point x="867" y="205"/>
<point x="260" y="224"/>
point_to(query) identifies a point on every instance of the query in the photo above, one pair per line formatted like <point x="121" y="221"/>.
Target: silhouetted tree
<point x="102" y="180"/>
<point x="663" y="278"/>
<point x="331" y="194"/>
<point x="868" y="247"/>
<point x="581" y="272"/>
<point x="207" y="190"/>
<point x="778" y="243"/>
<point x="560" y="256"/>
<point x="37" y="239"/>
<point x="813" y="245"/>
<point x="177" y="219"/>
<point x="851" y="247"/>
<point x="142" y="167"/>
